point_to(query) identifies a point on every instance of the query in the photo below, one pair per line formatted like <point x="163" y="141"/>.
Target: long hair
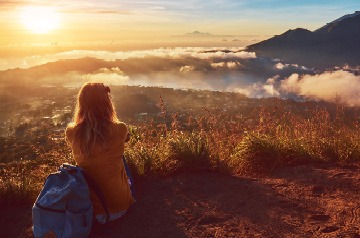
<point x="94" y="113"/>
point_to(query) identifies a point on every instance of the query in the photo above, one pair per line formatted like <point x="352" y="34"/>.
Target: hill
<point x="237" y="168"/>
<point x="302" y="201"/>
<point x="334" y="44"/>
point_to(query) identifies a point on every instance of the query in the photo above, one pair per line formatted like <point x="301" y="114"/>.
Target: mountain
<point x="335" y="44"/>
<point x="198" y="33"/>
<point x="329" y="25"/>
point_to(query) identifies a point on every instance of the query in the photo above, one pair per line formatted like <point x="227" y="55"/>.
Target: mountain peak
<point x="328" y="26"/>
<point x="356" y="13"/>
<point x="336" y="43"/>
<point x="198" y="33"/>
<point x="296" y="32"/>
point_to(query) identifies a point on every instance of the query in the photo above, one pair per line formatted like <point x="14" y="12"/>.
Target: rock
<point x="330" y="229"/>
<point x="320" y="217"/>
<point x="317" y="190"/>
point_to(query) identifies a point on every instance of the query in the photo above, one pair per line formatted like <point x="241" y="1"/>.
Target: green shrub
<point x="189" y="150"/>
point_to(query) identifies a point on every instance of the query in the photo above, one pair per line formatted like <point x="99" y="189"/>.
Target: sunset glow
<point x="40" y="20"/>
<point x="83" y="22"/>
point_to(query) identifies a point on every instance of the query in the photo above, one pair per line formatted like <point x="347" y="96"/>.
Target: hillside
<point x="302" y="201"/>
<point x="334" y="44"/>
<point x="206" y="164"/>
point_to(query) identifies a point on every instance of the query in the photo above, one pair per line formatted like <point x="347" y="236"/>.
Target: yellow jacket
<point x="106" y="167"/>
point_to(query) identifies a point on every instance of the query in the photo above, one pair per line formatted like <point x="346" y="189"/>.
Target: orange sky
<point x="86" y="21"/>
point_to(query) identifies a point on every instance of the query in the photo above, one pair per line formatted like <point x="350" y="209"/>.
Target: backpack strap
<point x="95" y="187"/>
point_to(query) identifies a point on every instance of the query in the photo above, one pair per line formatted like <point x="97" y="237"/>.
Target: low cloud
<point x="260" y="90"/>
<point x="195" y="68"/>
<point x="270" y="86"/>
<point x="325" y="86"/>
<point x="186" y="68"/>
<point x="281" y="66"/>
<point x="113" y="76"/>
<point x="166" y="53"/>
<point x="226" y="65"/>
<point x="218" y="65"/>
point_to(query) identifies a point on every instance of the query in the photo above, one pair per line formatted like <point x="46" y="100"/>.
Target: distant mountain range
<point x="198" y="33"/>
<point x="335" y="44"/>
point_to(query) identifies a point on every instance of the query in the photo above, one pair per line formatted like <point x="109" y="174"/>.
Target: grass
<point x="272" y="138"/>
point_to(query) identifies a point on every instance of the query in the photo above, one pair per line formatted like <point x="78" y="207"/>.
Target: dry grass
<point x="274" y="137"/>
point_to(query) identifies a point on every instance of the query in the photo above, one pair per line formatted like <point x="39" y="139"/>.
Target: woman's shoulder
<point x="121" y="126"/>
<point x="119" y="130"/>
<point x="70" y="130"/>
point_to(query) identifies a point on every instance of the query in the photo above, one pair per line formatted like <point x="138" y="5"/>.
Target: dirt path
<point x="302" y="201"/>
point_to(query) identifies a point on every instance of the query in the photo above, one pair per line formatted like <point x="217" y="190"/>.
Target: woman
<point x="97" y="141"/>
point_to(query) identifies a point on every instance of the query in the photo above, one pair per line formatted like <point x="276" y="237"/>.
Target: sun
<point x="39" y="19"/>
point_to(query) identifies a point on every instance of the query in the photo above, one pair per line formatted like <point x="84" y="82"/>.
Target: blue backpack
<point x="63" y="207"/>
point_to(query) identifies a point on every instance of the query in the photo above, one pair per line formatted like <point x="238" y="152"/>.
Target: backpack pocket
<point x="46" y="221"/>
<point x="78" y="224"/>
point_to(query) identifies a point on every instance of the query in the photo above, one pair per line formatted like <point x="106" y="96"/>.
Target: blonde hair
<point x="94" y="113"/>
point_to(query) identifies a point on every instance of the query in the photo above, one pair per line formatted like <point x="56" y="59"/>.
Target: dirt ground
<point x="301" y="201"/>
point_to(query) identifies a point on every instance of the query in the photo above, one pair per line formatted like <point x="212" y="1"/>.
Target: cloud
<point x="257" y="90"/>
<point x="270" y="89"/>
<point x="109" y="12"/>
<point x="270" y="86"/>
<point x="68" y="79"/>
<point x="157" y="8"/>
<point x="273" y="79"/>
<point x="325" y="86"/>
<point x="12" y="4"/>
<point x="113" y="76"/>
<point x="232" y="65"/>
<point x="111" y="70"/>
<point x="227" y="65"/>
<point x="166" y="53"/>
<point x="186" y="68"/>
<point x="218" y="65"/>
<point x="245" y="91"/>
<point x="260" y="90"/>
<point x="281" y="66"/>
<point x="192" y="67"/>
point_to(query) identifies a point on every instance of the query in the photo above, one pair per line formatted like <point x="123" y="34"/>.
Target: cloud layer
<point x="197" y="68"/>
<point x="165" y="53"/>
<point x="325" y="86"/>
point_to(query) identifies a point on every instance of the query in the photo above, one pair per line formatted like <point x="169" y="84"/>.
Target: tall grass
<point x="291" y="139"/>
<point x="266" y="140"/>
<point x="274" y="138"/>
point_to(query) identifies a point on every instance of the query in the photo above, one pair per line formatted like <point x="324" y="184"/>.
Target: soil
<point x="301" y="201"/>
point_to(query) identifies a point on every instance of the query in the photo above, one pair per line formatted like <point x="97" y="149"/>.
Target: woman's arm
<point x="127" y="137"/>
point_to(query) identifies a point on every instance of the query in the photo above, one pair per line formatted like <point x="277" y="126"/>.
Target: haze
<point x="187" y="44"/>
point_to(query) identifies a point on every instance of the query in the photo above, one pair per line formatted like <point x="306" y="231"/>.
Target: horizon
<point x="36" y="22"/>
<point x="153" y="44"/>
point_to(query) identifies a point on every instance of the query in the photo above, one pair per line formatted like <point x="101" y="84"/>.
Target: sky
<point x="93" y="20"/>
<point x="34" y="33"/>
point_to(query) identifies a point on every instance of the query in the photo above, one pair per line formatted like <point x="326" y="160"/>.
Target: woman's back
<point x="105" y="166"/>
<point x="97" y="142"/>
